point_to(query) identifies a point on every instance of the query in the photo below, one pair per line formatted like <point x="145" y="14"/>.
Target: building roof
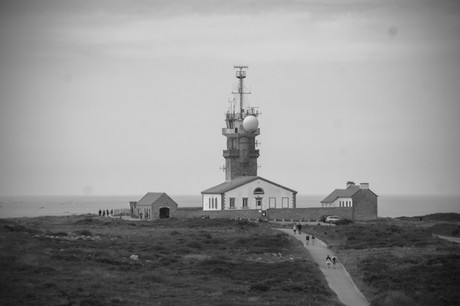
<point x="341" y="193"/>
<point x="150" y="198"/>
<point x="227" y="186"/>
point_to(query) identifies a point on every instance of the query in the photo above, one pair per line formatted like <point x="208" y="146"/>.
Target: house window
<point x="285" y="202"/>
<point x="232" y="202"/>
<point x="209" y="204"/>
<point x="259" y="202"/>
<point x="258" y="190"/>
<point x="245" y="202"/>
<point x="272" y="202"/>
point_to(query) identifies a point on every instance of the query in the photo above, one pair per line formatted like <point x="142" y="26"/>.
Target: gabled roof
<point x="240" y="181"/>
<point x="341" y="193"/>
<point x="150" y="198"/>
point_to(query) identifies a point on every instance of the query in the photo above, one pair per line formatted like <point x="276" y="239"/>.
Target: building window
<point x="258" y="190"/>
<point x="259" y="202"/>
<point x="209" y="204"/>
<point x="285" y="202"/>
<point x="272" y="202"/>
<point x="245" y="202"/>
<point x="232" y="202"/>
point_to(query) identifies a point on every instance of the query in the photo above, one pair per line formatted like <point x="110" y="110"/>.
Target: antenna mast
<point x="241" y="74"/>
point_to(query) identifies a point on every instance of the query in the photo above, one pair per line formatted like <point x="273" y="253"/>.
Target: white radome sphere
<point x="250" y="123"/>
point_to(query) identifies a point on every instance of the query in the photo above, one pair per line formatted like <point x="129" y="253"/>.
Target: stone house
<point x="153" y="206"/>
<point x="358" y="198"/>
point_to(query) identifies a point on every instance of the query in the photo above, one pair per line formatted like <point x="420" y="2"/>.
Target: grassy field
<point x="399" y="262"/>
<point x="88" y="260"/>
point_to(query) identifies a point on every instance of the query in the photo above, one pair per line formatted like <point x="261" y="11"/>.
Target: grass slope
<point x="397" y="262"/>
<point x="86" y="260"/>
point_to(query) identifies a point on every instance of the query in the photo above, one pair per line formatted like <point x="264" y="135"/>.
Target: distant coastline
<point x="33" y="206"/>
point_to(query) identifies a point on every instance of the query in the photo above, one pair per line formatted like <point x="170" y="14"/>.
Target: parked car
<point x="332" y="219"/>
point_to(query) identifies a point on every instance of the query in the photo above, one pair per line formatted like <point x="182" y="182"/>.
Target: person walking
<point x="334" y="261"/>
<point x="299" y="228"/>
<point x="294" y="228"/>
<point x="307" y="238"/>
<point x="312" y="239"/>
<point x="328" y="261"/>
<point x="100" y="212"/>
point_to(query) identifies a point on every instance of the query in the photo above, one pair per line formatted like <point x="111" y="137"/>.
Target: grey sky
<point x="124" y="97"/>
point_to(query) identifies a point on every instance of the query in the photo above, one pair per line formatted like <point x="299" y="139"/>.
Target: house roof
<point x="227" y="186"/>
<point x="150" y="198"/>
<point x="341" y="193"/>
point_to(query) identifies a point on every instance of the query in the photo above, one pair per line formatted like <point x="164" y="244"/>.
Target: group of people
<point x="329" y="260"/>
<point x="297" y="228"/>
<point x="104" y="213"/>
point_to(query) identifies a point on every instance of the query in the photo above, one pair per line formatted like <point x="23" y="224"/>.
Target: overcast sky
<point x="126" y="97"/>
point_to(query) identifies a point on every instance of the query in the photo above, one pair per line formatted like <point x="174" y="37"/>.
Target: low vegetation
<point x="87" y="260"/>
<point x="399" y="262"/>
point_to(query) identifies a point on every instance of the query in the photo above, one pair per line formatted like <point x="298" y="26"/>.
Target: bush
<point x="84" y="233"/>
<point x="391" y="298"/>
<point x="343" y="222"/>
<point x="194" y="245"/>
<point x="259" y="287"/>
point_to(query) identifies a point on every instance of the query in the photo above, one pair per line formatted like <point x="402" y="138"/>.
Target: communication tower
<point x="242" y="127"/>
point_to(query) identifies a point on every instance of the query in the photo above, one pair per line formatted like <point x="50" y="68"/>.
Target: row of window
<point x="245" y="203"/>
<point x="271" y="201"/>
<point x="213" y="202"/>
<point x="345" y="204"/>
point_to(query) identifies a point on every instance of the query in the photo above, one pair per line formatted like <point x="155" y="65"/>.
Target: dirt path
<point x="338" y="279"/>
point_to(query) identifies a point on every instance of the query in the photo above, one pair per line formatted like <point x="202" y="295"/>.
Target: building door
<point x="164" y="212"/>
<point x="259" y="203"/>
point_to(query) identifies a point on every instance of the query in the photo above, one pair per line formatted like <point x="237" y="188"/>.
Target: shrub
<point x="391" y="298"/>
<point x="194" y="245"/>
<point x="259" y="287"/>
<point x="84" y="233"/>
<point x="343" y="222"/>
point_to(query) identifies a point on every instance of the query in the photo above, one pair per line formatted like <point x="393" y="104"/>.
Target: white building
<point x="248" y="192"/>
<point x="242" y="188"/>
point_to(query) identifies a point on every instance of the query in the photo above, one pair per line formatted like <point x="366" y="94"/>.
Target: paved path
<point x="453" y="239"/>
<point x="338" y="279"/>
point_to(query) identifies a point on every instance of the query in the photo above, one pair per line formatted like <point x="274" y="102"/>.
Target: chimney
<point x="350" y="184"/>
<point x="364" y="185"/>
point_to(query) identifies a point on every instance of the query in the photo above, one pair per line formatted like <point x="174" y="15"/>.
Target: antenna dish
<point x="250" y="123"/>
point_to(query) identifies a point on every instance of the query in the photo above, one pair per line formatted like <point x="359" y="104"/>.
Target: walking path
<point x="338" y="279"/>
<point x="453" y="239"/>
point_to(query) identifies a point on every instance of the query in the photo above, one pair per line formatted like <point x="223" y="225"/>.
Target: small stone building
<point x="358" y="198"/>
<point x="153" y="206"/>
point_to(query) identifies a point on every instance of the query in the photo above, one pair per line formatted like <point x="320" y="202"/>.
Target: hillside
<point x="398" y="262"/>
<point x="87" y="260"/>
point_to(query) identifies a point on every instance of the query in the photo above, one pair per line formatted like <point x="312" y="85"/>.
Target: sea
<point x="35" y="206"/>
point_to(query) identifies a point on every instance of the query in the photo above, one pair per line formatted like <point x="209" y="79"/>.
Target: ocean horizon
<point x="35" y="206"/>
